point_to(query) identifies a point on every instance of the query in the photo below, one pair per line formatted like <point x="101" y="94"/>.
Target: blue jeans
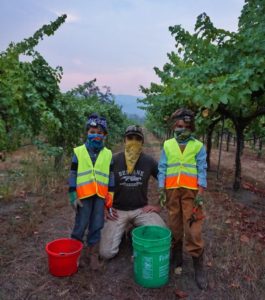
<point x="91" y="217"/>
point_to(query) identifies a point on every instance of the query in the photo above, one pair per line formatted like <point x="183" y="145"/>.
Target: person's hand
<point x="74" y="201"/>
<point x="111" y="214"/>
<point x="76" y="204"/>
<point x="109" y="199"/>
<point x="162" y="197"/>
<point x="151" y="208"/>
<point x="198" y="201"/>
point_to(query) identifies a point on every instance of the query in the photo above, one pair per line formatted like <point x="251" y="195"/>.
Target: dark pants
<point x="91" y="217"/>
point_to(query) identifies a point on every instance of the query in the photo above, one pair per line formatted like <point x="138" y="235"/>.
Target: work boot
<point x="200" y="276"/>
<point x="95" y="263"/>
<point x="84" y="258"/>
<point x="176" y="257"/>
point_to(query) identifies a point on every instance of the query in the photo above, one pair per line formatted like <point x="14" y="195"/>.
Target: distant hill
<point x="129" y="105"/>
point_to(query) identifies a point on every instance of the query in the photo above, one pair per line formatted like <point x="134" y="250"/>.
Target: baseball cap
<point x="134" y="129"/>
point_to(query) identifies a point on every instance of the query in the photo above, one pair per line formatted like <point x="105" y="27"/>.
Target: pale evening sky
<point x="119" y="42"/>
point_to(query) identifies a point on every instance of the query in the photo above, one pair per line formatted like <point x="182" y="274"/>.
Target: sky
<point x="118" y="42"/>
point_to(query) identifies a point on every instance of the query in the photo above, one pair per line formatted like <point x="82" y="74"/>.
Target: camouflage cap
<point x="184" y="114"/>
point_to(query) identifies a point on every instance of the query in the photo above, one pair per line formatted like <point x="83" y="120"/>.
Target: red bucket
<point x="63" y="256"/>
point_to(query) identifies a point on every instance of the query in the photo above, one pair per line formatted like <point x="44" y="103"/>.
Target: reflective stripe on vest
<point x="181" y="166"/>
<point x="91" y="179"/>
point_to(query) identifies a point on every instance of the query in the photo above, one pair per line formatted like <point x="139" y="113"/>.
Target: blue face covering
<point x="95" y="141"/>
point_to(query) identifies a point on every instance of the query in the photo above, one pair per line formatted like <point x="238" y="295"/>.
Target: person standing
<point x="132" y="170"/>
<point x="91" y="186"/>
<point x="182" y="178"/>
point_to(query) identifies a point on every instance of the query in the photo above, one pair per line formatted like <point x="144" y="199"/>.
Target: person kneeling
<point x="132" y="171"/>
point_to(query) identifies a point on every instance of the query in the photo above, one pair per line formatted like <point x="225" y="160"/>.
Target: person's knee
<point x="157" y="220"/>
<point x="107" y="254"/>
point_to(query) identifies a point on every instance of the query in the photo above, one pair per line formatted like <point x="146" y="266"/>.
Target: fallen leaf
<point x="181" y="294"/>
<point x="244" y="238"/>
<point x="260" y="235"/>
<point x="63" y="292"/>
<point x="209" y="264"/>
<point x="248" y="278"/>
<point x="235" y="285"/>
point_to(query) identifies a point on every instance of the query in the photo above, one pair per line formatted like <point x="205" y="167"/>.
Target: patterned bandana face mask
<point x="133" y="149"/>
<point x="182" y="134"/>
<point x="95" y="140"/>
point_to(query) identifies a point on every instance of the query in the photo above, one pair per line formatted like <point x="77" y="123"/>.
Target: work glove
<point x="198" y="201"/>
<point x="74" y="201"/>
<point x="109" y="200"/>
<point x="162" y="197"/>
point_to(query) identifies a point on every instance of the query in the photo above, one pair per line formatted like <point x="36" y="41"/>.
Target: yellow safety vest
<point x="92" y="180"/>
<point x="181" y="166"/>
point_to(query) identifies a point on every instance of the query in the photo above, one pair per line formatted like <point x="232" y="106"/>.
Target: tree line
<point x="33" y="107"/>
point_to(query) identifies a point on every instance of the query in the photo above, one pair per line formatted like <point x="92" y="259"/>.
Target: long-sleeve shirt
<point x="200" y="163"/>
<point x="74" y="166"/>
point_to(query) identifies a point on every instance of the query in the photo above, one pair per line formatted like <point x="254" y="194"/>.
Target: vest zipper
<point x="180" y="167"/>
<point x="95" y="180"/>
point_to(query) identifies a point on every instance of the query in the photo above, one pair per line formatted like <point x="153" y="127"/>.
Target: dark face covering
<point x="182" y="134"/>
<point x="95" y="141"/>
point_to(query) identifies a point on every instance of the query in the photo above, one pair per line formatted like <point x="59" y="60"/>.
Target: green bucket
<point x="151" y="251"/>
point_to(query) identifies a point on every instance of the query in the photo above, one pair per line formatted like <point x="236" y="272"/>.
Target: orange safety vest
<point x="181" y="166"/>
<point x="92" y="180"/>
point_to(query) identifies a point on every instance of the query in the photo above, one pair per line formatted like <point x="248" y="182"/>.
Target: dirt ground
<point x="234" y="233"/>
